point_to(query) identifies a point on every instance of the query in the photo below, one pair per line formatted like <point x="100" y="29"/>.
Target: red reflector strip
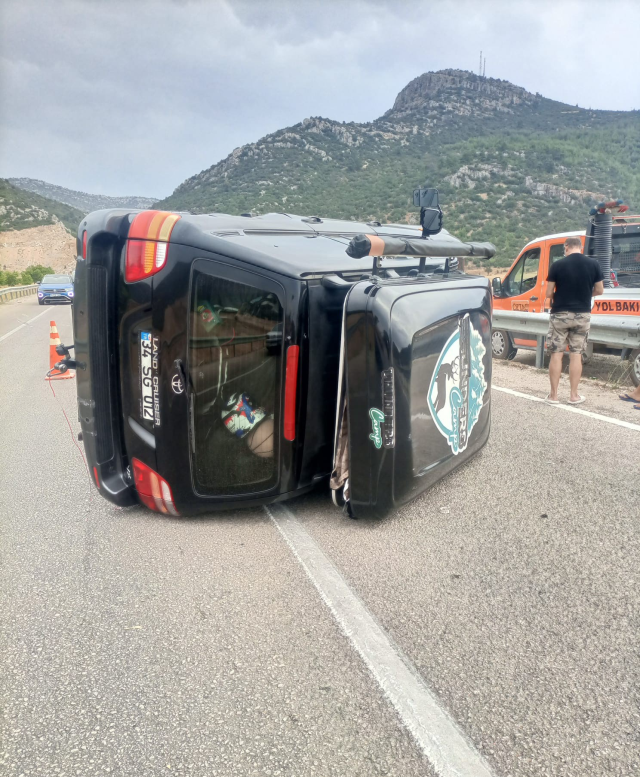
<point x="84" y="244"/>
<point x="95" y="469"/>
<point x="290" y="391"/>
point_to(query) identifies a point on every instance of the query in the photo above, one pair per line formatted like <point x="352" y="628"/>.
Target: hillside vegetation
<point x="509" y="165"/>
<point x="24" y="210"/>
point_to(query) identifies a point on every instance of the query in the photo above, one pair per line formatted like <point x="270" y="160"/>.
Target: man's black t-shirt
<point x="575" y="276"/>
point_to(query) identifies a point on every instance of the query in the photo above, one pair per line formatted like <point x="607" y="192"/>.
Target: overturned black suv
<point x="225" y="360"/>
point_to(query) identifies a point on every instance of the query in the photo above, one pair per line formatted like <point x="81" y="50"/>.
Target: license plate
<point x="55" y="295"/>
<point x="146" y="375"/>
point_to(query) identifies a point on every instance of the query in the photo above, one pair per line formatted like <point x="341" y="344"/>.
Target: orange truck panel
<point x="525" y="284"/>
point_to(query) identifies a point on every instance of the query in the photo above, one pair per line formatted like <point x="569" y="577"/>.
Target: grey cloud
<point x="132" y="98"/>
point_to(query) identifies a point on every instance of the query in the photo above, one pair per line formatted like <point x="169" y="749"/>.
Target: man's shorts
<point x="568" y="328"/>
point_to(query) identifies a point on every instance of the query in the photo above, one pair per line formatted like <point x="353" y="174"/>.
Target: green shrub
<point x="26" y="279"/>
<point x="12" y="278"/>
<point x="38" y="271"/>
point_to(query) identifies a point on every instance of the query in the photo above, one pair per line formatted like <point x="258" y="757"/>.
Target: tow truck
<point x="523" y="288"/>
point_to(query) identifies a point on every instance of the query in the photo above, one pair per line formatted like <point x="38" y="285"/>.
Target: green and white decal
<point x="377" y="417"/>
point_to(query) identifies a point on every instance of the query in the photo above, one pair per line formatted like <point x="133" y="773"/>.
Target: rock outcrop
<point x="460" y="92"/>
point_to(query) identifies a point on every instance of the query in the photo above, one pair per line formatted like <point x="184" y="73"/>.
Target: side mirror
<point x="425" y="198"/>
<point x="496" y="285"/>
<point x="431" y="220"/>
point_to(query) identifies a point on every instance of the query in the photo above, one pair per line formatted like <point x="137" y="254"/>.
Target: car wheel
<point x="634" y="358"/>
<point x="501" y="345"/>
<point x="40" y="302"/>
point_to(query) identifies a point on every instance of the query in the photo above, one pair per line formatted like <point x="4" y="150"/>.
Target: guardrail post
<point x="540" y="352"/>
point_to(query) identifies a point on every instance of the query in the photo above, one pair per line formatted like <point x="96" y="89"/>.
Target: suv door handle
<point x="533" y="298"/>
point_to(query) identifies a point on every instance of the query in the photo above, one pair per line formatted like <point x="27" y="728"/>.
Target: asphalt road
<point x="134" y="645"/>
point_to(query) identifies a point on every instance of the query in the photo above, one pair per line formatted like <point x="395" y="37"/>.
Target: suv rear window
<point x="235" y="351"/>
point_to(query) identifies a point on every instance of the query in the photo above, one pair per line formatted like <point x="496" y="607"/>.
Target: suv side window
<point x="524" y="275"/>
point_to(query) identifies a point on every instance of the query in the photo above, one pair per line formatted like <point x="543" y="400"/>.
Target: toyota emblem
<point x="176" y="384"/>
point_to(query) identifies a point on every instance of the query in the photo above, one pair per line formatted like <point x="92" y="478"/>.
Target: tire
<point x="40" y="302"/>
<point x="501" y="345"/>
<point x="634" y="358"/>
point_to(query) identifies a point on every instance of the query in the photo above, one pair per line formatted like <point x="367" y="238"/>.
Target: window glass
<point x="513" y="281"/>
<point x="56" y="279"/>
<point x="530" y="270"/>
<point x="524" y="275"/>
<point x="234" y="362"/>
<point x="626" y="259"/>
<point x="556" y="252"/>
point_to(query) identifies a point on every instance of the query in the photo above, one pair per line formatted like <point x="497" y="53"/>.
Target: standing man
<point x="571" y="283"/>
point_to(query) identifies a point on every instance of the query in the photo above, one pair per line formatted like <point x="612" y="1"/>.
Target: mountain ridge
<point x="510" y="164"/>
<point x="82" y="201"/>
<point x="20" y="209"/>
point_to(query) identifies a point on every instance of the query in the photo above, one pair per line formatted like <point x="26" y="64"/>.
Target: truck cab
<point x="524" y="286"/>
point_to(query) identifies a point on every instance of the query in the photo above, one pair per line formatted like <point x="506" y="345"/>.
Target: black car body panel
<point x="408" y="347"/>
<point x="165" y="362"/>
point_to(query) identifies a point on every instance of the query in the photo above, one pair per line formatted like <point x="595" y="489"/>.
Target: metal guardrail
<point x="12" y="292"/>
<point x="614" y="331"/>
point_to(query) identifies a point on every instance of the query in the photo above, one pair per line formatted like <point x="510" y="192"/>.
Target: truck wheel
<point x="634" y="358"/>
<point x="501" y="345"/>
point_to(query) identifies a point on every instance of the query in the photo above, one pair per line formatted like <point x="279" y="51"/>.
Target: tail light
<point x="84" y="244"/>
<point x="614" y="279"/>
<point x="290" y="391"/>
<point x="148" y="244"/>
<point x="153" y="490"/>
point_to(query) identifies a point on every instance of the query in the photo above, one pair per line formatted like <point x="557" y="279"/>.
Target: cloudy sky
<point x="133" y="97"/>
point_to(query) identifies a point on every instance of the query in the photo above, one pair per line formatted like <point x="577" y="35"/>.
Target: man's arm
<point x="598" y="288"/>
<point x="549" y="298"/>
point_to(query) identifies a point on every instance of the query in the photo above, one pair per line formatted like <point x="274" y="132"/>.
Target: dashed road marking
<point x="571" y="409"/>
<point x="441" y="740"/>
<point x="18" y="328"/>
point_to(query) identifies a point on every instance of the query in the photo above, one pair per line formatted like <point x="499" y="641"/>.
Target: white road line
<point x="443" y="743"/>
<point x="571" y="409"/>
<point x="18" y="328"/>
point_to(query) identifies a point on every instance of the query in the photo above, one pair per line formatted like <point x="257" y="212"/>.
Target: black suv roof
<point x="298" y="246"/>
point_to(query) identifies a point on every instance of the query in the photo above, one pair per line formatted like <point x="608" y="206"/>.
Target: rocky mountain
<point x="24" y="210"/>
<point x="510" y="165"/>
<point x="81" y="200"/>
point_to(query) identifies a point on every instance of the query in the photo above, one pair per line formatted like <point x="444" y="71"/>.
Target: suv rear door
<point x="235" y="378"/>
<point x="414" y="398"/>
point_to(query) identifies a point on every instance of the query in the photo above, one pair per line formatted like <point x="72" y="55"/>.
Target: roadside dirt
<point x="604" y="378"/>
<point x="486" y="272"/>
<point x="51" y="246"/>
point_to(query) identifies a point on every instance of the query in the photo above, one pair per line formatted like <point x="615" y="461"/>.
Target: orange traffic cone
<point x="54" y="358"/>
